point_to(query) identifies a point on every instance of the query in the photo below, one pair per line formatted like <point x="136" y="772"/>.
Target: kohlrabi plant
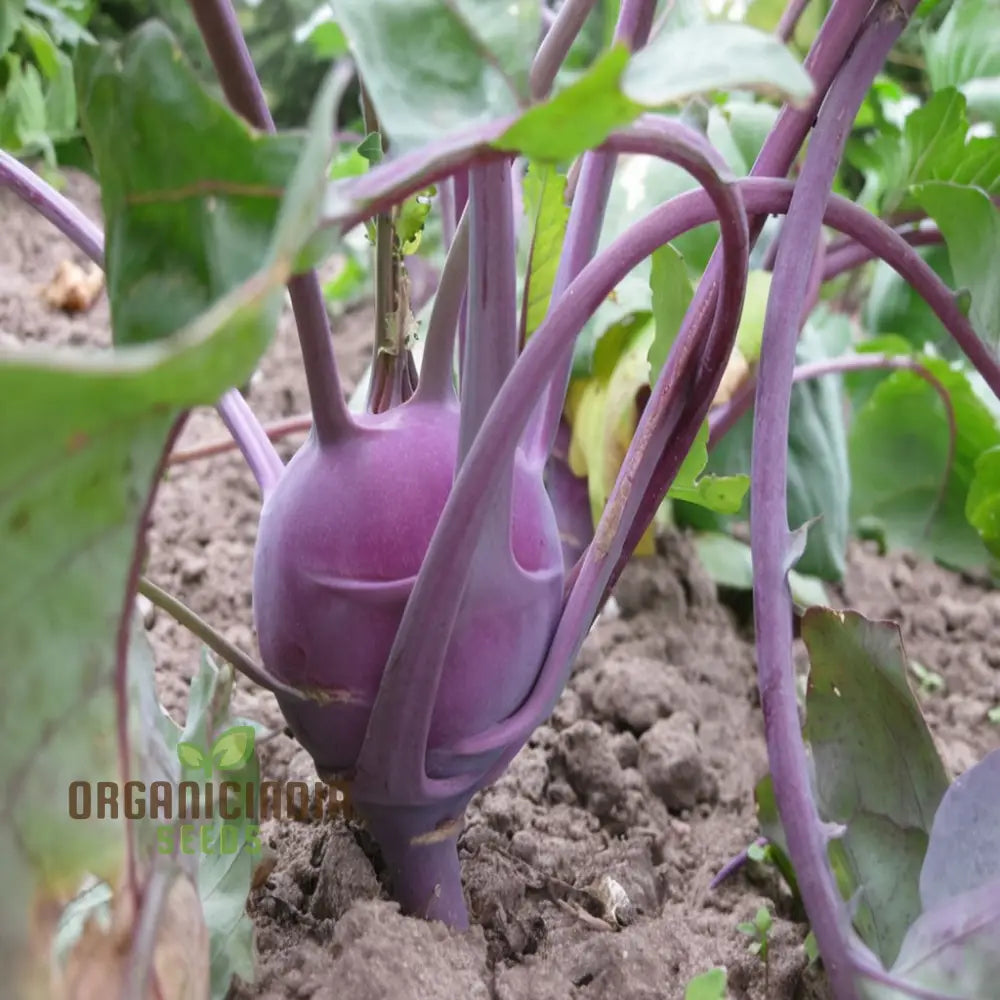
<point x="429" y="562"/>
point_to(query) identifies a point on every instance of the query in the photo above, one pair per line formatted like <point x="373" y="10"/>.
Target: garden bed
<point x="644" y="775"/>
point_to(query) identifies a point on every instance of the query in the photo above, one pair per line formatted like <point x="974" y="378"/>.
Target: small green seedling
<point x="993" y="715"/>
<point x="709" y="985"/>
<point x="811" y="948"/>
<point x="759" y="929"/>
<point x="930" y="681"/>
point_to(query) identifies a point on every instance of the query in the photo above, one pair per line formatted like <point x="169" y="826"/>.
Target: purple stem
<point x="460" y="188"/>
<point x="723" y="418"/>
<point x="437" y="371"/>
<point x="229" y="53"/>
<point x="50" y="204"/>
<point x="828" y="51"/>
<point x="733" y="865"/>
<point x="850" y="255"/>
<point x="251" y="438"/>
<point x="767" y="196"/>
<point x="413" y="670"/>
<point x="583" y="234"/>
<point x="661" y="414"/>
<point x="491" y="349"/>
<point x="556" y="44"/>
<point x="257" y="448"/>
<point x="423" y="868"/>
<point x="446" y="206"/>
<point x="790" y="19"/>
<point x="464" y="512"/>
<point x="773" y="545"/>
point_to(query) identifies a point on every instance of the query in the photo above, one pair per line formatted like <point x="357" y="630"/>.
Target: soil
<point x="587" y="867"/>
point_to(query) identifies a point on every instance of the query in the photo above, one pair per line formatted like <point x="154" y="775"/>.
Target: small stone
<point x="193" y="568"/>
<point x="147" y="611"/>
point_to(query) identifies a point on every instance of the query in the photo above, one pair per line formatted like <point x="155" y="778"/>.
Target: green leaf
<point x="578" y="118"/>
<point x="750" y="332"/>
<point x="893" y="306"/>
<point x="877" y="770"/>
<point x="819" y="476"/>
<point x="766" y="14"/>
<point x="42" y="47"/>
<point x="935" y="145"/>
<point x="233" y="748"/>
<point x="433" y="66"/>
<point x="327" y="41"/>
<point x="547" y="213"/>
<point x="710" y="985"/>
<point x="738" y="129"/>
<point x="899" y="444"/>
<point x="60" y="101"/>
<point x="970" y="223"/>
<point x="11" y="20"/>
<point x="671" y="292"/>
<point x="412" y="218"/>
<point x="963" y="50"/>
<point x="370" y="148"/>
<point x="770" y="827"/>
<point x="71" y="508"/>
<point x="640" y="184"/>
<point x="192" y="756"/>
<point x="728" y="562"/>
<point x="982" y="505"/>
<point x="603" y="410"/>
<point x="709" y="57"/>
<point x="724" y="494"/>
<point x="22" y="112"/>
<point x="65" y="19"/>
<point x="187" y="217"/>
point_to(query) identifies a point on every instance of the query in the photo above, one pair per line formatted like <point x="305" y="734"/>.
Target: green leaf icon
<point x="233" y="748"/>
<point x="191" y="755"/>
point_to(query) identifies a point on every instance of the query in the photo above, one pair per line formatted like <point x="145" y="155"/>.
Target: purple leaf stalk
<point x="409" y="581"/>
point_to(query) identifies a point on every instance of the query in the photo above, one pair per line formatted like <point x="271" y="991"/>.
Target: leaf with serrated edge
<point x="434" y="66"/>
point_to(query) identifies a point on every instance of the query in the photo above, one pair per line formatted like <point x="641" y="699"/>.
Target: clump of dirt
<point x="587" y="866"/>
